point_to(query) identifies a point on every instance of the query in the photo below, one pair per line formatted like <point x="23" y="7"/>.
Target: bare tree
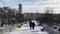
<point x="49" y="10"/>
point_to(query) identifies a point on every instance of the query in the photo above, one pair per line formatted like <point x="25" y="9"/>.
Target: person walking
<point x="30" y="24"/>
<point x="33" y="25"/>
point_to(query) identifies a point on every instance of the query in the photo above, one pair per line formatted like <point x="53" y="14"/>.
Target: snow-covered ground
<point x="26" y="30"/>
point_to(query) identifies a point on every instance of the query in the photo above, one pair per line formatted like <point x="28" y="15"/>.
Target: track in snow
<point x="26" y="30"/>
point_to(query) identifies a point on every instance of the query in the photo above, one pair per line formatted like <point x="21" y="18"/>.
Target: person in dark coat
<point x="30" y="24"/>
<point x="33" y="25"/>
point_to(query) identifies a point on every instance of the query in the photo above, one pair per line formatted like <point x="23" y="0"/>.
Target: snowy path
<point x="26" y="30"/>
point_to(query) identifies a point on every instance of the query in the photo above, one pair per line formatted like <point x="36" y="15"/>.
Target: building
<point x="20" y="8"/>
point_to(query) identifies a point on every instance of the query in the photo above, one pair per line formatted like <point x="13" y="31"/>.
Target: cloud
<point x="32" y="1"/>
<point x="33" y="5"/>
<point x="41" y="5"/>
<point x="32" y="8"/>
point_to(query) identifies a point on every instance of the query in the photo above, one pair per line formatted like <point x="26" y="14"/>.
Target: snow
<point x="26" y="30"/>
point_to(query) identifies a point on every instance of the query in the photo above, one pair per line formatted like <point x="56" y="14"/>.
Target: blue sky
<point x="16" y="2"/>
<point x="33" y="5"/>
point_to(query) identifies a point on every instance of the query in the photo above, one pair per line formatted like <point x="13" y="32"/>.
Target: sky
<point x="33" y="6"/>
